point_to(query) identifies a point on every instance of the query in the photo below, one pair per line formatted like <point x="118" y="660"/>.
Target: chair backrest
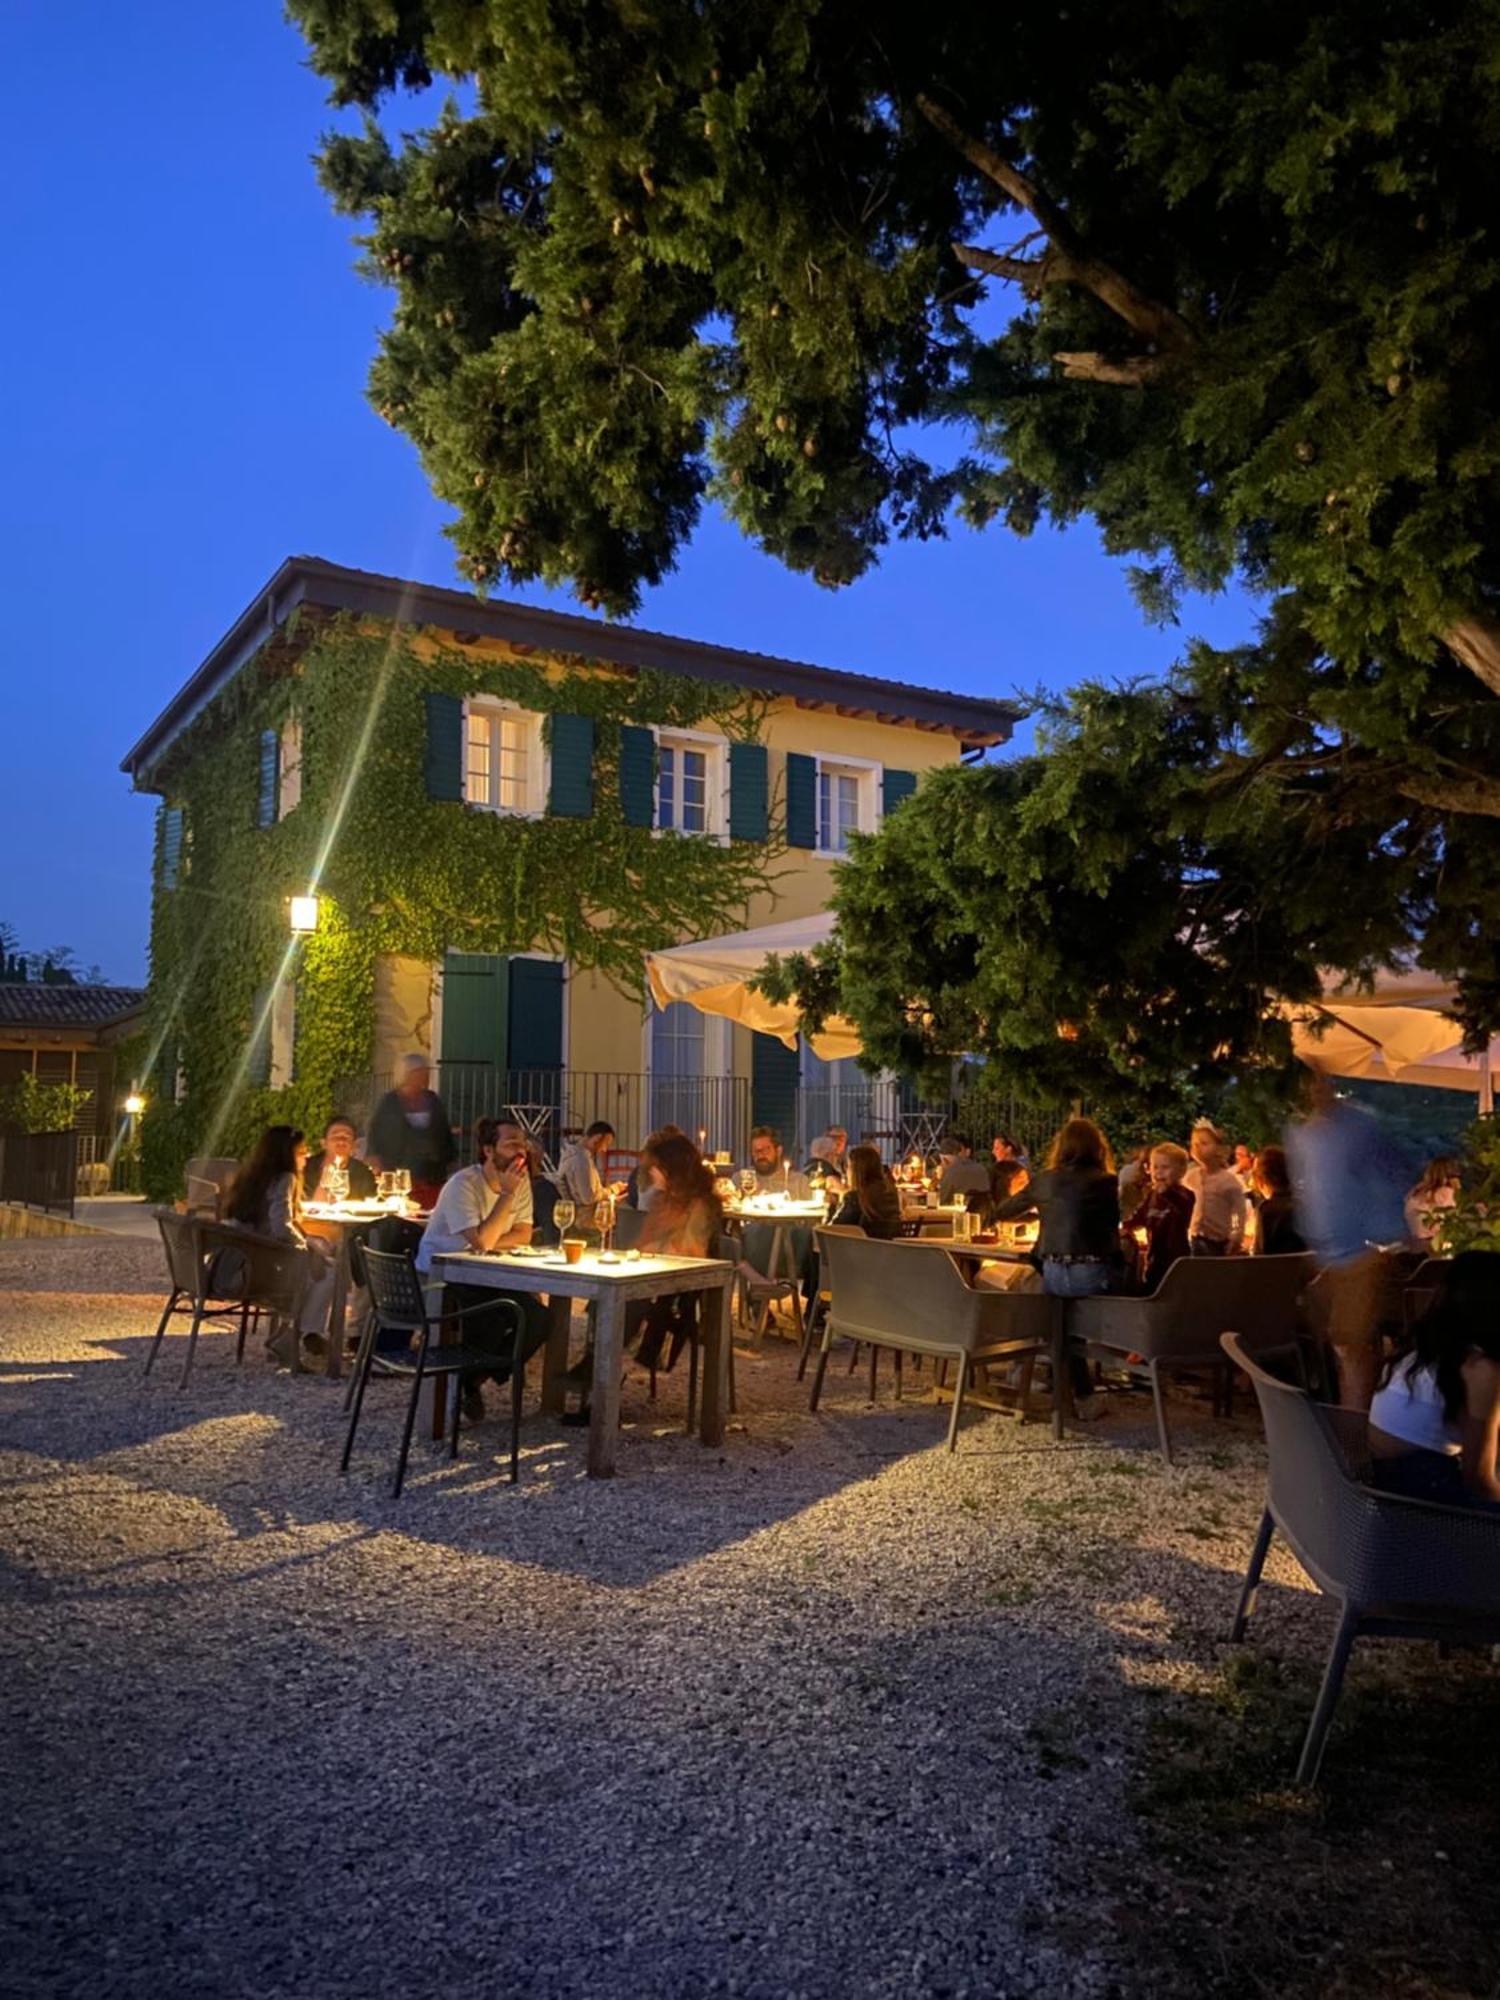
<point x="1373" y="1548"/>
<point x="207" y="1181"/>
<point x="257" y="1270"/>
<point x="1255" y="1297"/>
<point x="182" y="1240"/>
<point x="896" y="1293"/>
<point x="629" y="1222"/>
<point x="395" y="1290"/>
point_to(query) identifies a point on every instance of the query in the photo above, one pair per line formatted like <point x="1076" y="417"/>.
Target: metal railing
<point x="552" y="1103"/>
<point x="38" y="1169"/>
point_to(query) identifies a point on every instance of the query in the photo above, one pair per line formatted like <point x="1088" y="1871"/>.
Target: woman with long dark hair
<point x="266" y="1196"/>
<point x="685" y="1215"/>
<point x="1077" y="1197"/>
<point x="1435" y="1419"/>
<point x="872" y="1203"/>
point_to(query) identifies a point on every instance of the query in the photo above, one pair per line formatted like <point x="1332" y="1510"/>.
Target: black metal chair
<point x="400" y="1306"/>
<point x="223" y="1274"/>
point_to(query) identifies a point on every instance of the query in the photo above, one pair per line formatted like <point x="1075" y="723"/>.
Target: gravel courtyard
<point x="825" y="1713"/>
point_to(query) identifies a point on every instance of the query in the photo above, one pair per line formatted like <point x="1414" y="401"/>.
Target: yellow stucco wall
<point x="604" y="1027"/>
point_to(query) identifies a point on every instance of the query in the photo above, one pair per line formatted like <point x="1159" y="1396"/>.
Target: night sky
<point x="183" y="350"/>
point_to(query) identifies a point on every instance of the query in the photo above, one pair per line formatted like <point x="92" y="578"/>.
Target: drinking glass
<point x="402" y="1179"/>
<point x="336" y="1183"/>
<point x="747" y="1182"/>
<point x="563" y="1212"/>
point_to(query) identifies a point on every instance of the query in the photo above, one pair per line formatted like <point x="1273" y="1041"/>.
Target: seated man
<point x="962" y="1175"/>
<point x="486" y="1207"/>
<point x="773" y="1172"/>
<point x="578" y="1177"/>
<point x="339" y="1138"/>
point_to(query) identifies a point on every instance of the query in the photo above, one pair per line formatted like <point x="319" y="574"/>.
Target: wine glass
<point x="747" y="1182"/>
<point x="336" y="1183"/>
<point x="563" y="1212"/>
<point x="402" y="1180"/>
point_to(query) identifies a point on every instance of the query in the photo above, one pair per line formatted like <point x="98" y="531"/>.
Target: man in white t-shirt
<point x="484" y="1208"/>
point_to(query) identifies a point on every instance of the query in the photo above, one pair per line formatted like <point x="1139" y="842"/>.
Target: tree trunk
<point x="1475" y="643"/>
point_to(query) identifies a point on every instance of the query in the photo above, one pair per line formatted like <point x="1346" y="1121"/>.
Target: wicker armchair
<point x="1398" y="1568"/>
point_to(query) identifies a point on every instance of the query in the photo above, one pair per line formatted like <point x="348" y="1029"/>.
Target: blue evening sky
<point x="183" y="351"/>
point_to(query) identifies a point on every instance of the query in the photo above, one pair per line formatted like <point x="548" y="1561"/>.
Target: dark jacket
<point x="885" y="1227"/>
<point x="361" y="1180"/>
<point x="1164" y="1215"/>
<point x="1278" y="1233"/>
<point x="1079" y="1208"/>
<point x="427" y="1152"/>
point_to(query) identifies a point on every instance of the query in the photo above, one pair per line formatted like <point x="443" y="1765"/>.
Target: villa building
<point x="497" y="809"/>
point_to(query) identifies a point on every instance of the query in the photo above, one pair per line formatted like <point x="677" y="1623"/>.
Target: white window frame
<point x="533" y="756"/>
<point x="867" y="773"/>
<point x="715" y="781"/>
<point x="289" y="766"/>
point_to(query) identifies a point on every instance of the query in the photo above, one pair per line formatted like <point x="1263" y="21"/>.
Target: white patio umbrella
<point x="714" y="974"/>
<point x="1400" y="1031"/>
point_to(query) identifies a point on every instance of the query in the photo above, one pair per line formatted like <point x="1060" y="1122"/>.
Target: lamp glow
<point x="304" y="915"/>
<point x="135" y="1104"/>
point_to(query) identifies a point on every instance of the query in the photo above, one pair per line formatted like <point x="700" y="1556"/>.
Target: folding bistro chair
<point x="400" y="1306"/>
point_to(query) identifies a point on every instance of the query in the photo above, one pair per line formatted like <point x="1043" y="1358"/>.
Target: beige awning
<point x="1400" y="1031"/>
<point x="714" y="974"/>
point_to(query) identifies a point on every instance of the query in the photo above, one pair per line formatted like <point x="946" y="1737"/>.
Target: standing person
<point x="961" y="1175"/>
<point x="1220" y="1204"/>
<point x="1277" y="1234"/>
<point x="266" y="1196"/>
<point x="872" y="1203"/>
<point x="486" y="1207"/>
<point x="1435" y="1191"/>
<point x="1435" y="1420"/>
<point x="1078" y="1199"/>
<point x="339" y="1139"/>
<point x="410" y="1129"/>
<point x="1164" y="1214"/>
<point x="1243" y="1164"/>
<point x="579" y="1177"/>
<point x="1347" y="1182"/>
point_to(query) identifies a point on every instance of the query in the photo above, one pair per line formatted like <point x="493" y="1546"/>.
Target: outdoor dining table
<point x="337" y="1224"/>
<point x="609" y="1284"/>
<point x="782" y="1216"/>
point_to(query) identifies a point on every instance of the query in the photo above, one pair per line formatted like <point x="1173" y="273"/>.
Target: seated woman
<point x="1276" y="1231"/>
<point x="1078" y="1200"/>
<point x="1434" y="1192"/>
<point x="872" y="1203"/>
<point x="682" y="1220"/>
<point x="266" y="1196"/>
<point x="1435" y="1420"/>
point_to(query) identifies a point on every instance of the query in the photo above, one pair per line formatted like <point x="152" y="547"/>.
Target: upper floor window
<point x="846" y="802"/>
<point x="689" y="783"/>
<point x="503" y="758"/>
<point x="289" y="775"/>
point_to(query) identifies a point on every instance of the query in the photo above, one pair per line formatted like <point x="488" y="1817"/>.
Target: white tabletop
<point x="760" y="1209"/>
<point x="546" y="1266"/>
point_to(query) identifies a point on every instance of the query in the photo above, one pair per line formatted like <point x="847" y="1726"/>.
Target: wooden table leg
<point x="555" y="1355"/>
<point x="338" y="1311"/>
<point x="604" y="1403"/>
<point x="717" y="1320"/>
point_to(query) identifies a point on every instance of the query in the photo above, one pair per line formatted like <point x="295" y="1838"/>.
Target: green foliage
<point x="397" y="872"/>
<point x="41" y="1107"/>
<point x="1097" y="922"/>
<point x="1474" y="1222"/>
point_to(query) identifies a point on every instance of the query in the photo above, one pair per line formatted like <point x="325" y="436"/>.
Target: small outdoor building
<point x="70" y="1034"/>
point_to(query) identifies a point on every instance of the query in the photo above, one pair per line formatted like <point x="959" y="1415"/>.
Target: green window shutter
<point x="445" y="746"/>
<point x="774" y="1070"/>
<point x="749" y="792"/>
<point x="801" y="800"/>
<point x="475" y="1003"/>
<point x="259" y="1073"/>
<point x="572" y="792"/>
<point x="637" y="775"/>
<point x="171" y="846"/>
<point x="270" y="774"/>
<point x="536" y="1014"/>
<point x="894" y="787"/>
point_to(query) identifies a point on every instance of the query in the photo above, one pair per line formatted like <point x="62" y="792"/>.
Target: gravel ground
<point x="825" y="1713"/>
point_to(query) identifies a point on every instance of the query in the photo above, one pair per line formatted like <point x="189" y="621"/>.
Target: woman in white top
<point x="267" y="1197"/>
<point x="1220" y="1204"/>
<point x="1435" y="1420"/>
